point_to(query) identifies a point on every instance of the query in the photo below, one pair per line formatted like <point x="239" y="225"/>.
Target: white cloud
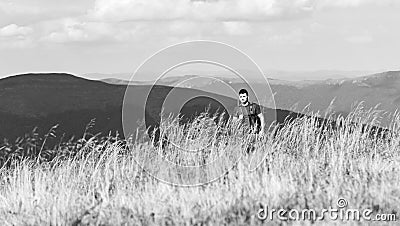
<point x="219" y="10"/>
<point x="75" y="30"/>
<point x="32" y="11"/>
<point x="28" y="11"/>
<point x="82" y="30"/>
<point x="15" y="30"/>
<point x="216" y="10"/>
<point x="15" y="36"/>
<point x="125" y="20"/>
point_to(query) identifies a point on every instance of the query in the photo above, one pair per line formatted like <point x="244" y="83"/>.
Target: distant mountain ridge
<point x="381" y="89"/>
<point x="291" y="76"/>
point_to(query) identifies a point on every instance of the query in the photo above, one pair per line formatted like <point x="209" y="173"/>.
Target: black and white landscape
<point x="88" y="135"/>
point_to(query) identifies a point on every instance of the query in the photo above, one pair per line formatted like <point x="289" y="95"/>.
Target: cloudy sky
<point x="113" y="36"/>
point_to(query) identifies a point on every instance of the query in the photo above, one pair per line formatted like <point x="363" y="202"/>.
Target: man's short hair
<point x="242" y="91"/>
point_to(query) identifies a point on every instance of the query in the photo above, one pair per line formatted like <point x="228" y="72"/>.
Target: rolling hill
<point x="43" y="100"/>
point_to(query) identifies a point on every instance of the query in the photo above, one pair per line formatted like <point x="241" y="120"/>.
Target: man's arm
<point x="262" y="121"/>
<point x="261" y="116"/>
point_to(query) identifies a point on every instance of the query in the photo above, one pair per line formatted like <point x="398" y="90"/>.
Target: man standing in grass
<point x="249" y="114"/>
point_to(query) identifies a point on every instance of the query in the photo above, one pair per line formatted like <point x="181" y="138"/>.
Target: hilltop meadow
<point x="99" y="180"/>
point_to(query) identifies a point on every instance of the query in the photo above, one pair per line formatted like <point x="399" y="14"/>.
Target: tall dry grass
<point x="305" y="166"/>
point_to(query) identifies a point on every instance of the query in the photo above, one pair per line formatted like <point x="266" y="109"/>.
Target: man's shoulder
<point x="256" y="107"/>
<point x="254" y="104"/>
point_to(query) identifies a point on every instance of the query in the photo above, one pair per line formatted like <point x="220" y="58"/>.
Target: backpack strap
<point x="252" y="109"/>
